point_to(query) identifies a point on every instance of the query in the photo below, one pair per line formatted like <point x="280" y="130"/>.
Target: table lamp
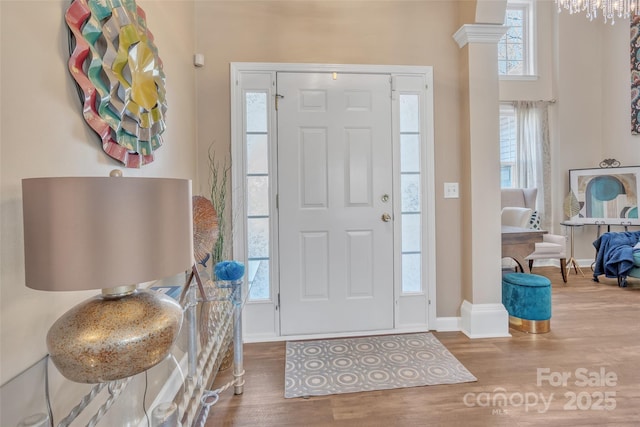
<point x="108" y="233"/>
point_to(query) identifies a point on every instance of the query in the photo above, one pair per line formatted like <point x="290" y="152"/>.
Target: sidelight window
<point x="256" y="134"/>
<point x="410" y="179"/>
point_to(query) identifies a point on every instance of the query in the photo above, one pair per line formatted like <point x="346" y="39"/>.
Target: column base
<point x="484" y="320"/>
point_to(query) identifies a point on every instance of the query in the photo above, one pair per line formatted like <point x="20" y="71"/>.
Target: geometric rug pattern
<point x="350" y="365"/>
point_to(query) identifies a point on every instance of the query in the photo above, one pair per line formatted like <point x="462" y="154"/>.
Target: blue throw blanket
<point x="615" y="253"/>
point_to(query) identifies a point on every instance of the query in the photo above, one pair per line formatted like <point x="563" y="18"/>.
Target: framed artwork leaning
<point x="606" y="195"/>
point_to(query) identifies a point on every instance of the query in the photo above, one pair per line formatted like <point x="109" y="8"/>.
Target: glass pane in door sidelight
<point x="411" y="193"/>
<point x="256" y="135"/>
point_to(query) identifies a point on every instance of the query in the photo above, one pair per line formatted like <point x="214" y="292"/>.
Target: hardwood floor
<point x="595" y="328"/>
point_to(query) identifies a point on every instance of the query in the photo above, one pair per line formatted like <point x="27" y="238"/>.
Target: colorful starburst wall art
<point x="116" y="66"/>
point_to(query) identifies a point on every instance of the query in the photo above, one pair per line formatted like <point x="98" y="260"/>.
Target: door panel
<point x="334" y="166"/>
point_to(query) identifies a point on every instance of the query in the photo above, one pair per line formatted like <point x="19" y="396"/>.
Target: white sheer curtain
<point x="533" y="160"/>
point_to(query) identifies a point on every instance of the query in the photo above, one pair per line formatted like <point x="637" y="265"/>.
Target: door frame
<point x="265" y="312"/>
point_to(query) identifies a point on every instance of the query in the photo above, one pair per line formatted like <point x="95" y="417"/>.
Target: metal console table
<point x="172" y="393"/>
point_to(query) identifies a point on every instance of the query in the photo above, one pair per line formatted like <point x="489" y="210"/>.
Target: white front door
<point x="335" y="183"/>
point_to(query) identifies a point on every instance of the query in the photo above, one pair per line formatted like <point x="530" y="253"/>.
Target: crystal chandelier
<point x="610" y="9"/>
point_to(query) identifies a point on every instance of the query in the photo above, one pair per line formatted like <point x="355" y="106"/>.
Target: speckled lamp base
<point x="104" y="339"/>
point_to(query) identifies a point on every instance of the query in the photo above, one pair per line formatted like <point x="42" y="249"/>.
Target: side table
<point x="572" y="261"/>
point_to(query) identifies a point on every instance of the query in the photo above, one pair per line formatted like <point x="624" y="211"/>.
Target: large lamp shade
<point x="108" y="233"/>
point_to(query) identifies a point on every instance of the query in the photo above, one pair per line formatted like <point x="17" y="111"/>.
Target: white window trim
<point x="261" y="309"/>
<point x="530" y="77"/>
<point x="531" y="36"/>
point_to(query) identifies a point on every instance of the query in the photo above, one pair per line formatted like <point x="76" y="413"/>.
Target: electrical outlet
<point x="451" y="190"/>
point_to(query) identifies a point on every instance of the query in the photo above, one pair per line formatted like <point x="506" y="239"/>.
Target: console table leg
<point x="192" y="337"/>
<point x="238" y="368"/>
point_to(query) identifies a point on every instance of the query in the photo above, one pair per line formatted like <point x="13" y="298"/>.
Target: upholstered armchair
<point x="552" y="246"/>
<point x="515" y="216"/>
<point x="519" y="197"/>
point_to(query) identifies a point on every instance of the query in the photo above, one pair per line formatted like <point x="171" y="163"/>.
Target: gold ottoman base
<point x="530" y="326"/>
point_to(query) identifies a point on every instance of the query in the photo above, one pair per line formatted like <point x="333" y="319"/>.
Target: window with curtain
<point x="524" y="151"/>
<point x="508" y="173"/>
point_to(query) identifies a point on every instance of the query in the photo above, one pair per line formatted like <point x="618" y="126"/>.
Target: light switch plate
<point x="451" y="190"/>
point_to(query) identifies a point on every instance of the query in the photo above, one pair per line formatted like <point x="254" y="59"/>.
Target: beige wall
<point x="589" y="83"/>
<point x="584" y="67"/>
<point x="43" y="134"/>
<point x="465" y="175"/>
<point x="370" y="32"/>
<point x="592" y="113"/>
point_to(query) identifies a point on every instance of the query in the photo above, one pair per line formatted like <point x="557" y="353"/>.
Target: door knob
<point x="386" y="217"/>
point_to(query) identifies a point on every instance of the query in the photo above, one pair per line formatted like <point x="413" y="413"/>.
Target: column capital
<point x="479" y="33"/>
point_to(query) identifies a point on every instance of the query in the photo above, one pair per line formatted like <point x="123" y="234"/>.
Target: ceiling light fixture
<point x="610" y="9"/>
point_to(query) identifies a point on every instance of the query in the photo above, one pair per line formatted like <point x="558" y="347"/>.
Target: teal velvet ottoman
<point x="527" y="298"/>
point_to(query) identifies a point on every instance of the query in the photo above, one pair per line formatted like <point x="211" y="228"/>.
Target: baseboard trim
<point x="488" y="321"/>
<point x="448" y="324"/>
<point x="484" y="320"/>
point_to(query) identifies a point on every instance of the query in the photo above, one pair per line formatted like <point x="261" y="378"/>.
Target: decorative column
<point x="482" y="313"/>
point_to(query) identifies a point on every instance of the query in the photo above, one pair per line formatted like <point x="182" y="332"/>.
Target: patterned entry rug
<point x="350" y="365"/>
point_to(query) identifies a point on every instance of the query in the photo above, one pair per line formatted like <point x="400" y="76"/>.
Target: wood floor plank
<point x="594" y="326"/>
